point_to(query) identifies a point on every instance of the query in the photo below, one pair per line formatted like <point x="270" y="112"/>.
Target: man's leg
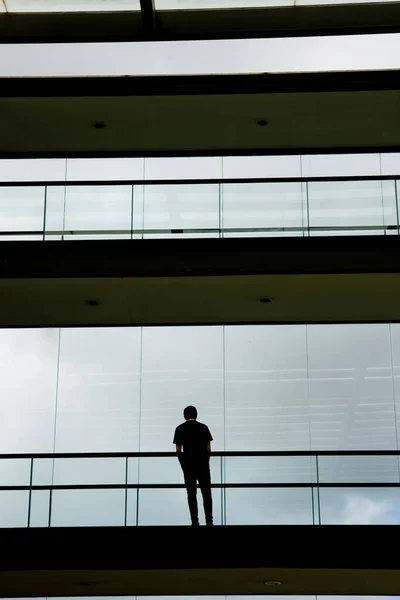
<point x="205" y="486"/>
<point x="190" y="483"/>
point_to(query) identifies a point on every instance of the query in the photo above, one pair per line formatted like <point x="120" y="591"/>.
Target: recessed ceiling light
<point x="99" y="124"/>
<point x="265" y="299"/>
<point x="93" y="302"/>
<point x="262" y="122"/>
<point x="273" y="583"/>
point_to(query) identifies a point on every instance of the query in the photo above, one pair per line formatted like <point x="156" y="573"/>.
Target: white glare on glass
<point x="261" y="166"/>
<point x="32" y="169"/>
<point x="22" y="208"/>
<point x="28" y="375"/>
<point x="351" y="387"/>
<point x="174" y="209"/>
<point x="98" y="390"/>
<point x="207" y="4"/>
<point x="104" y="169"/>
<point x="390" y="164"/>
<point x="266" y="390"/>
<point x="279" y="506"/>
<point x="263" y="209"/>
<point x="88" y="508"/>
<point x="340" y="165"/>
<point x="181" y="366"/>
<point x="105" y="210"/>
<point x="352" y="207"/>
<point x="54" y="6"/>
<point x="200" y="167"/>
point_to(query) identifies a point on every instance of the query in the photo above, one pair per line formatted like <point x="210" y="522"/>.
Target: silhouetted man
<point x="192" y="440"/>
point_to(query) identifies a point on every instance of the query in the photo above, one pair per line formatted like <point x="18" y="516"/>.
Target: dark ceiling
<point x="200" y="114"/>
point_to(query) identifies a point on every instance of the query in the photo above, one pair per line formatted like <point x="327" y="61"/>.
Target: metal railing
<point x="260" y="487"/>
<point x="299" y="215"/>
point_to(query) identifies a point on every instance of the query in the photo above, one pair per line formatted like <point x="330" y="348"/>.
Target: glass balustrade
<point x="248" y="488"/>
<point x="209" y="209"/>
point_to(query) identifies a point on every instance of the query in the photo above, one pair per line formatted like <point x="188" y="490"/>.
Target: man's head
<point x="190" y="412"/>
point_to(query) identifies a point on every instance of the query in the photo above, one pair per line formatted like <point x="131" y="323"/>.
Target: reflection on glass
<point x="177" y="208"/>
<point x="40" y="508"/>
<point x="270" y="469"/>
<point x="28" y="375"/>
<point x="352" y="207"/>
<point x="14" y="508"/>
<point x="351" y="387"/>
<point x="340" y="165"/>
<point x="261" y="208"/>
<point x="360" y="506"/>
<point x="21" y="209"/>
<point x="170" y="507"/>
<point x="180" y="366"/>
<point x="102" y="209"/>
<point x="266" y="388"/>
<point x="196" y="167"/>
<point x="207" y="4"/>
<point x="98" y="390"/>
<point x="261" y="166"/>
<point x="88" y="508"/>
<point x="15" y="471"/>
<point x="358" y="469"/>
<point x="54" y="6"/>
<point x="104" y="169"/>
<point x="77" y="471"/>
<point x="269" y="506"/>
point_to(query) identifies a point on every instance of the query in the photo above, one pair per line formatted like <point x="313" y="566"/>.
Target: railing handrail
<point x="227" y="453"/>
<point x="198" y="181"/>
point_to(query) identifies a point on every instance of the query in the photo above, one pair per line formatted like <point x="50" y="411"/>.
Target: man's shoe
<point x="195" y="524"/>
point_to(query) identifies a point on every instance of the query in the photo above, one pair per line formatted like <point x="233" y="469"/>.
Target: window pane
<point x="14" y="508"/>
<point x="351" y="388"/>
<point x="183" y="168"/>
<point x="28" y="375"/>
<point x="32" y="169"/>
<point x="207" y="4"/>
<point x="264" y="207"/>
<point x="261" y="166"/>
<point x="340" y="165"/>
<point x="40" y="507"/>
<point x="98" y="208"/>
<point x="88" y="508"/>
<point x="22" y="209"/>
<point x="98" y="390"/>
<point x="268" y="506"/>
<point x="53" y="6"/>
<point x="85" y="471"/>
<point x="181" y="366"/>
<point x="361" y="506"/>
<point x="358" y="469"/>
<point x="181" y="207"/>
<point x="15" y="471"/>
<point x="355" y="207"/>
<point x="104" y="169"/>
<point x="170" y="507"/>
<point x="270" y="469"/>
<point x="266" y="389"/>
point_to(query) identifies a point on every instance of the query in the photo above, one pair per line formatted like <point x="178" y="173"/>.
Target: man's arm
<point x="179" y="453"/>
<point x="209" y="447"/>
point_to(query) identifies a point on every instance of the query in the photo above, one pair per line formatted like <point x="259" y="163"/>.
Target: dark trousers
<point x="193" y="473"/>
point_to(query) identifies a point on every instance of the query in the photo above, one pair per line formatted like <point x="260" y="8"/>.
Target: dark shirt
<point x="194" y="437"/>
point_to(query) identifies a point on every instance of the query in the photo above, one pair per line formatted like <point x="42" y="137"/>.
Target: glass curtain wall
<point x="140" y="198"/>
<point x="268" y="388"/>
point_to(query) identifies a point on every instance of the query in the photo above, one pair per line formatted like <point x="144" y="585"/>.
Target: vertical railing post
<point x="50" y="506"/>
<point x="318" y="490"/>
<point x="30" y="493"/>
<point x="126" y="491"/>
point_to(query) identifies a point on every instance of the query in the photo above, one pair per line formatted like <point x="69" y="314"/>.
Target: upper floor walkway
<point x="249" y="488"/>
